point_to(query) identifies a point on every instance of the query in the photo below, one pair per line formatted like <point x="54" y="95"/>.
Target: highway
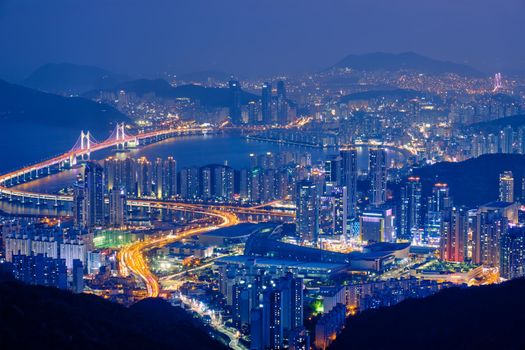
<point x="132" y="259"/>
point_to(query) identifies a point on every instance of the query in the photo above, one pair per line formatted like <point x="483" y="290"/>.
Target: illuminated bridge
<point x="119" y="139"/>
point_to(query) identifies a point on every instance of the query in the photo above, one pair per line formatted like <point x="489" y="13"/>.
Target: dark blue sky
<point x="254" y="36"/>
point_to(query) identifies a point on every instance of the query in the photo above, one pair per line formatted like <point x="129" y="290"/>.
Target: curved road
<point x="132" y="257"/>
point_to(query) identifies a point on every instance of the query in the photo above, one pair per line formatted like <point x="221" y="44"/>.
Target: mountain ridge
<point x="69" y="78"/>
<point x="382" y="61"/>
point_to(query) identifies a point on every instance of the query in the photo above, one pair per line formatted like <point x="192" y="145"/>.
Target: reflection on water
<point x="16" y="208"/>
<point x="188" y="151"/>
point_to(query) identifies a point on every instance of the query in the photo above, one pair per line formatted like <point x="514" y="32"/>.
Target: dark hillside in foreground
<point x="475" y="181"/>
<point x="489" y="317"/>
<point x="46" y="318"/>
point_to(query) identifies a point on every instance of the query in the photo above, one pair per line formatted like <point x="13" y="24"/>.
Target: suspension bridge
<point x="120" y="139"/>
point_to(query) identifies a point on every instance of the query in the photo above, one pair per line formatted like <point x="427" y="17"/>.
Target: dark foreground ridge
<point x="46" y="318"/>
<point x="488" y="317"/>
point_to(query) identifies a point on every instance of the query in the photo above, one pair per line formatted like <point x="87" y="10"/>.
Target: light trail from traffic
<point x="132" y="259"/>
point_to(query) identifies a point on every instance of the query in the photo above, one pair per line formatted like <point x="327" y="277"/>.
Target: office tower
<point x="117" y="207"/>
<point x="266" y="103"/>
<point x="506" y="187"/>
<point x="378" y="176"/>
<point x="332" y="212"/>
<point x="206" y="188"/>
<point x="307" y="211"/>
<point x="223" y="182"/>
<point x="332" y="171"/>
<point x="507" y="140"/>
<point x="410" y="214"/>
<point x="78" y="205"/>
<point x="454" y="235"/>
<point x="349" y="179"/>
<point x="282" y="104"/>
<point x="438" y="202"/>
<point x="490" y="225"/>
<point x="93" y="196"/>
<point x="512" y="253"/>
<point x="377" y="225"/>
<point x="235" y="102"/>
<point x="144" y="177"/>
<point x="170" y="178"/>
<point x="158" y="179"/>
<point x="189" y="183"/>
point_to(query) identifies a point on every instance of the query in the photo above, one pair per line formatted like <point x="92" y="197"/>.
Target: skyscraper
<point x="144" y="177"/>
<point x="490" y="225"/>
<point x="438" y="202"/>
<point x="410" y="214"/>
<point x="307" y="211"/>
<point x="157" y="178"/>
<point x="377" y="225"/>
<point x="235" y="102"/>
<point x="506" y="187"/>
<point x="512" y="253"/>
<point x="378" y="176"/>
<point x="117" y="207"/>
<point x="282" y="103"/>
<point x="89" y="197"/>
<point x="189" y="183"/>
<point x="206" y="188"/>
<point x="507" y="140"/>
<point x="454" y="235"/>
<point x="349" y="179"/>
<point x="266" y="103"/>
<point x="223" y="182"/>
<point x="332" y="170"/>
<point x="170" y="178"/>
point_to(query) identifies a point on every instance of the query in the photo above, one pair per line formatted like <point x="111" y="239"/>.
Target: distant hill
<point x="402" y="94"/>
<point x="19" y="104"/>
<point x="37" y="125"/>
<point x="475" y="181"/>
<point x="515" y="122"/>
<point x="408" y="61"/>
<point x="47" y="318"/>
<point x="66" y="78"/>
<point x="488" y="317"/>
<point x="204" y="76"/>
<point x="208" y="96"/>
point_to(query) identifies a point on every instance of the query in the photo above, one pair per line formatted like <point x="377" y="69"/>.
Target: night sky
<point x="254" y="37"/>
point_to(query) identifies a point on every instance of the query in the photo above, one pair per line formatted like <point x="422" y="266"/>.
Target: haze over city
<point x="254" y="38"/>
